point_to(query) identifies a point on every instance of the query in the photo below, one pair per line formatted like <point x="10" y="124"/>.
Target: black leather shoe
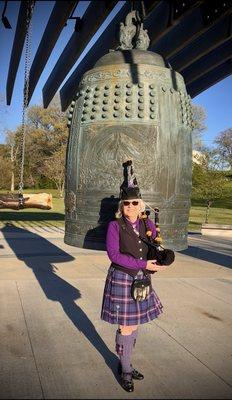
<point x="127" y="383"/>
<point x="135" y="374"/>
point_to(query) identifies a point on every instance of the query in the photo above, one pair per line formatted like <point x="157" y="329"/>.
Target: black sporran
<point x="141" y="288"/>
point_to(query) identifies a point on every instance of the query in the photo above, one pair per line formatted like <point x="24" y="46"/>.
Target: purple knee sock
<point x="124" y="345"/>
<point x="134" y="335"/>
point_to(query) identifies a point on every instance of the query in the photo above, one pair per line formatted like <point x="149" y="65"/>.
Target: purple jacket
<point x="113" y="249"/>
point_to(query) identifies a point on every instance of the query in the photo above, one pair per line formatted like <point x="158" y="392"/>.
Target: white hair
<point x="119" y="213"/>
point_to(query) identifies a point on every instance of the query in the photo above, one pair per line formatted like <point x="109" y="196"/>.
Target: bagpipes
<point x="155" y="249"/>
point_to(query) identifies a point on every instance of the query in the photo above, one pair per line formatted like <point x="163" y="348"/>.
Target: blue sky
<point x="217" y="100"/>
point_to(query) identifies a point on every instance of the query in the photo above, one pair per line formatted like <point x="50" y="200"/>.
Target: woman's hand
<point x="151" y="266"/>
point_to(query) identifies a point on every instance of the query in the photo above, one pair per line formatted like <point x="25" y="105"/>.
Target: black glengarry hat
<point x="129" y="188"/>
<point x="130" y="193"/>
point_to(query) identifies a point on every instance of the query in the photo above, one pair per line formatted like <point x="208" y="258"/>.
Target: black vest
<point x="131" y="244"/>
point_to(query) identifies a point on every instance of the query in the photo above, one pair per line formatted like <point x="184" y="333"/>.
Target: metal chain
<point x="30" y="7"/>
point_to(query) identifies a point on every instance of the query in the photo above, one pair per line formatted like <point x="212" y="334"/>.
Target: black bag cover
<point x="163" y="256"/>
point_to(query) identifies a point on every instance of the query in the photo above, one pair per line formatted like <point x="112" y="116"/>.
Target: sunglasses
<point x="126" y="203"/>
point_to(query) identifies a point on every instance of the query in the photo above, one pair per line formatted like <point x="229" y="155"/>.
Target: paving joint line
<point x="193" y="355"/>
<point x="202" y="290"/>
<point x="30" y="341"/>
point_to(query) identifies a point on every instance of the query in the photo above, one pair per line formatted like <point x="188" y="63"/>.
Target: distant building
<point x="198" y="157"/>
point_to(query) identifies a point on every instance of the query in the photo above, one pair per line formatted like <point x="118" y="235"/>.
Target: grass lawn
<point x="215" y="216"/>
<point x="219" y="213"/>
<point x="55" y="217"/>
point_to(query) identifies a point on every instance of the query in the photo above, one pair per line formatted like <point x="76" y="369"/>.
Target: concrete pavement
<point x="54" y="345"/>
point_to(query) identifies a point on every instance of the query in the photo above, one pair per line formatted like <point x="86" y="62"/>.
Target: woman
<point x="128" y="254"/>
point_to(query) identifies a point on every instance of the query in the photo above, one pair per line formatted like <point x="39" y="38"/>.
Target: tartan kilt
<point x="118" y="307"/>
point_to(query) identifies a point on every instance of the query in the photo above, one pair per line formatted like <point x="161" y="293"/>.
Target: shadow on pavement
<point x="214" y="257"/>
<point x="55" y="288"/>
<point x="32" y="216"/>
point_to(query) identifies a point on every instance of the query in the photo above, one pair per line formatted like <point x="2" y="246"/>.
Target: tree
<point x="208" y="180"/>
<point x="13" y="153"/>
<point x="46" y="137"/>
<point x="5" y="171"/>
<point x="54" y="168"/>
<point x="199" y="117"/>
<point x="224" y="146"/>
<point x="14" y="144"/>
<point x="5" y="174"/>
<point x="51" y="123"/>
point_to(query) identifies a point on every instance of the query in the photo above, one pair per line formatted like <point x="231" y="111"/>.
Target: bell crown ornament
<point x="131" y="34"/>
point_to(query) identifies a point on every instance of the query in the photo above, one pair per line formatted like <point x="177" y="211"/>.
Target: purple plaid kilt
<point x="118" y="307"/>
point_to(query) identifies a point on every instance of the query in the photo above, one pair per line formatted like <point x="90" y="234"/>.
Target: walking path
<point x="54" y="345"/>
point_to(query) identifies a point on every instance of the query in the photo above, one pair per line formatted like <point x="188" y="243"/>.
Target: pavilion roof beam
<point x="149" y="6"/>
<point x="19" y="39"/>
<point x="105" y="41"/>
<point x="217" y="35"/>
<point x="167" y="15"/>
<point x="208" y="62"/>
<point x="90" y="23"/>
<point x="195" y="24"/>
<point x="210" y="78"/>
<point x="59" y="15"/>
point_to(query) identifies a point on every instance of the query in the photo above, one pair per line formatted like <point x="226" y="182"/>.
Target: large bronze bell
<point x="129" y="106"/>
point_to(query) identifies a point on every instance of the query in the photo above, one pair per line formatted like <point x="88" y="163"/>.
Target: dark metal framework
<point x="194" y="37"/>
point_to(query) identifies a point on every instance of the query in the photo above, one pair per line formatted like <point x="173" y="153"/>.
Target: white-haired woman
<point x="128" y="255"/>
